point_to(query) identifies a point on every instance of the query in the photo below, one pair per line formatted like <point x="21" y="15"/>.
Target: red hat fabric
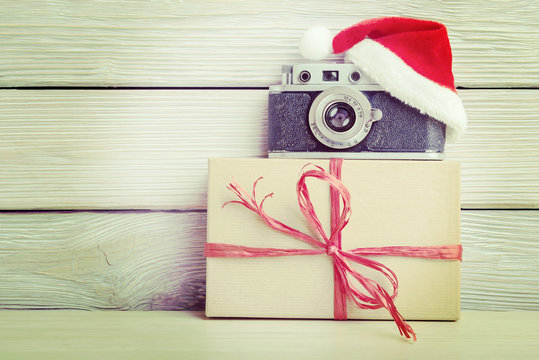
<point x="411" y="59"/>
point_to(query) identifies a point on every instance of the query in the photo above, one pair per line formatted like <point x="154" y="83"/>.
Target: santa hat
<point x="409" y="58"/>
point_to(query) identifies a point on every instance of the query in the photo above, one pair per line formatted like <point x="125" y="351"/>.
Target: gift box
<point x="394" y="205"/>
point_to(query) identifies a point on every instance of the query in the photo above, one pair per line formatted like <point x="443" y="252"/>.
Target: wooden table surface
<point x="58" y="334"/>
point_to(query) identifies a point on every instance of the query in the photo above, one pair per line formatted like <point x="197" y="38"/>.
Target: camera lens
<point x="355" y="76"/>
<point x="340" y="117"/>
<point x="304" y="76"/>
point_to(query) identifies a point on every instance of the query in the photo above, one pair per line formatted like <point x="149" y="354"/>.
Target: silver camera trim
<point x="292" y="82"/>
<point x="347" y="139"/>
<point x="317" y="70"/>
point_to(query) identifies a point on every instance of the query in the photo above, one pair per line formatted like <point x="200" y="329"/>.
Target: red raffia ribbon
<point x="372" y="295"/>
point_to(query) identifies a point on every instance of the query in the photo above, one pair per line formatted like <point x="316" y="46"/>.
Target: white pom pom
<point x="316" y="43"/>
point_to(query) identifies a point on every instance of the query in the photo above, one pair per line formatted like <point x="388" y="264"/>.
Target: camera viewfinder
<point x="330" y="75"/>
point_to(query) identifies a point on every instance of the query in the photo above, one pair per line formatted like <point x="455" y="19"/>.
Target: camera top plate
<point x="318" y="77"/>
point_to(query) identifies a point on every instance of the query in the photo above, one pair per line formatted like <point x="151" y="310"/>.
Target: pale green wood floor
<point x="189" y="335"/>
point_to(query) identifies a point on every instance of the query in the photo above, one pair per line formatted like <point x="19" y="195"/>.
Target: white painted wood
<point x="500" y="150"/>
<point x="189" y="335"/>
<point x="153" y="260"/>
<point x="240" y="43"/>
<point x="114" y="261"/>
<point x="500" y="264"/>
<point x="142" y="149"/>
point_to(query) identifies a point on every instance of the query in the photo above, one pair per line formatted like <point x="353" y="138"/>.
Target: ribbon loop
<point x="307" y="208"/>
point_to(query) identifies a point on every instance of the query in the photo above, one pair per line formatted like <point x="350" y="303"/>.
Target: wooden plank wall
<point x="109" y="111"/>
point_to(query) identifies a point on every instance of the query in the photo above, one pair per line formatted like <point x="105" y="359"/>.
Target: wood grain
<point x="117" y="261"/>
<point x="500" y="150"/>
<point x="153" y="260"/>
<point x="500" y="265"/>
<point x="148" y="149"/>
<point x="241" y="43"/>
<point x="188" y="335"/>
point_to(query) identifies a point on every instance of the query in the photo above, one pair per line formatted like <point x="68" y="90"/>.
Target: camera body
<point x="335" y="110"/>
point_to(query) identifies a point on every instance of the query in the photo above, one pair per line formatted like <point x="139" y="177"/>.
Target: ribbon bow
<point x="369" y="294"/>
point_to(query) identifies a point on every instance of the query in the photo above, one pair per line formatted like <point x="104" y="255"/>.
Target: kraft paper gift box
<point x="394" y="203"/>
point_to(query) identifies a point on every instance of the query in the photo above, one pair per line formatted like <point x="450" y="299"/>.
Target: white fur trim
<point x="401" y="81"/>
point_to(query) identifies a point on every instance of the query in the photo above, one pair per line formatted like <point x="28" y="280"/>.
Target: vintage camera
<point x="335" y="110"/>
